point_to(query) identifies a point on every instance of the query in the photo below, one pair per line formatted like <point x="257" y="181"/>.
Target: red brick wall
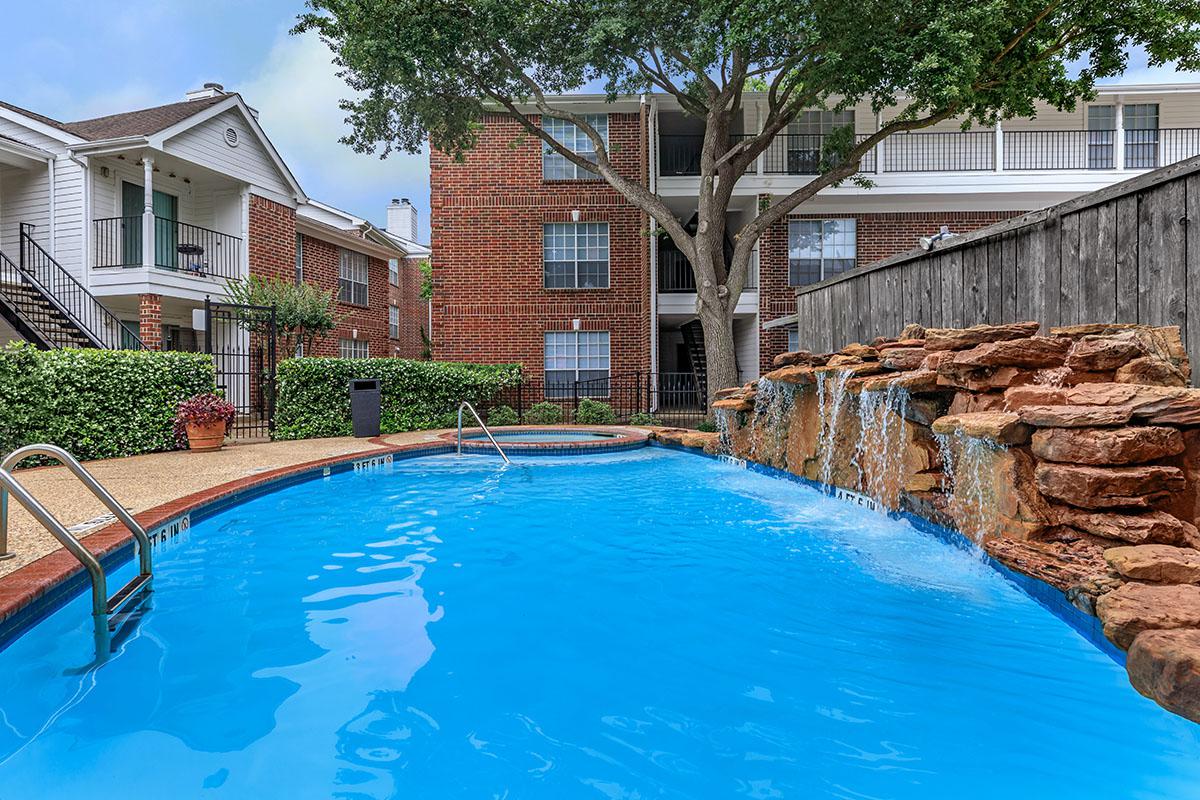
<point x="880" y="235"/>
<point x="272" y="244"/>
<point x="489" y="304"/>
<point x="321" y="261"/>
<point x="414" y="312"/>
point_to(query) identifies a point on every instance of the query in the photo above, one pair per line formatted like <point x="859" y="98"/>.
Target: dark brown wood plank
<point x="1126" y="258"/>
<point x="995" y="271"/>
<point x="1008" y="277"/>
<point x="1162" y="274"/>
<point x="1100" y="275"/>
<point x="1191" y="333"/>
<point x="1052" y="269"/>
<point x="1069" y="301"/>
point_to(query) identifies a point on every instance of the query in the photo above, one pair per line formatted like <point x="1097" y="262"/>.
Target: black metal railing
<point x="41" y="321"/>
<point x="679" y="153"/>
<point x="675" y="274"/>
<point x="673" y="398"/>
<point x="68" y="296"/>
<point x="949" y="151"/>
<point x="1075" y="149"/>
<point x="802" y="154"/>
<point x="178" y="246"/>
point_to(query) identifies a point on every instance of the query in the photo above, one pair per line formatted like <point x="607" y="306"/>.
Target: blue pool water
<point x="503" y="436"/>
<point x="647" y="624"/>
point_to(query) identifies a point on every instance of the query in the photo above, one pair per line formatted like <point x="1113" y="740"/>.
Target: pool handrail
<point x="474" y="413"/>
<point x="102" y="605"/>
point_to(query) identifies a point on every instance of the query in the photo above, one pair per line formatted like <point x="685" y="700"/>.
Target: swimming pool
<point x="637" y="624"/>
<point x="502" y="436"/>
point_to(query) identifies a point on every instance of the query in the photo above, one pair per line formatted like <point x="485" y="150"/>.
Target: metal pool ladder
<point x="474" y="413"/>
<point x="103" y="606"/>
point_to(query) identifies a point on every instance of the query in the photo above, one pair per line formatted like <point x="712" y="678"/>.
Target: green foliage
<point x="502" y="415"/>
<point x="593" y="412"/>
<point x="314" y="399"/>
<point x="642" y="418"/>
<point x="303" y="313"/>
<point x="544" y="413"/>
<point x="707" y="426"/>
<point x="426" y="267"/>
<point x="96" y="403"/>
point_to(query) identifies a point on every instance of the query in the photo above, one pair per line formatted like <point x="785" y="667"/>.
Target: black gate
<point x="241" y="340"/>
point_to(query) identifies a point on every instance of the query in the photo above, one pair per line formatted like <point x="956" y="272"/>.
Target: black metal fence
<point x="672" y="398"/>
<point x="242" y="342"/>
<point x="179" y="246"/>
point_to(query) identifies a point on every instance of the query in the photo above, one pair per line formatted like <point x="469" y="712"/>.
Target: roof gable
<point x="144" y="122"/>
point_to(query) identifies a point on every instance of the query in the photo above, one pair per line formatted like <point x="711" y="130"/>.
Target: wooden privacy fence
<point x="1127" y="253"/>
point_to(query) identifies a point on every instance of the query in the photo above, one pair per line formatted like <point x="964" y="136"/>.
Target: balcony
<point x="178" y="247"/>
<point x="961" y="151"/>
<point x="675" y="274"/>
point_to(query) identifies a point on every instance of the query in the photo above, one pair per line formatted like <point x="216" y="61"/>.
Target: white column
<point x="998" y="158"/>
<point x="148" y="212"/>
<point x="879" y="145"/>
<point x="1119" y="136"/>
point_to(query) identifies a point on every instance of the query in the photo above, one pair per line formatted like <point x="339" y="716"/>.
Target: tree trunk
<point x="719" y="359"/>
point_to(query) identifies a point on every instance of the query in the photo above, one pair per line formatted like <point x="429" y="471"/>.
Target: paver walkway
<point x="142" y="482"/>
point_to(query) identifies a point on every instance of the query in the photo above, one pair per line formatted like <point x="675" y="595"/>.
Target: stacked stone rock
<point x="1095" y="468"/>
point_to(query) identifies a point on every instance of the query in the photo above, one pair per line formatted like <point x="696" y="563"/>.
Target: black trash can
<point x="364" y="406"/>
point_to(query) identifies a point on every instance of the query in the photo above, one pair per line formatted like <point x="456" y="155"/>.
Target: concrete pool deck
<point x="147" y="481"/>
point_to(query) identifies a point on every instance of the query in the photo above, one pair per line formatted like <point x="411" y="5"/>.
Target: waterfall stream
<point x="969" y="480"/>
<point x="829" y="404"/>
<point x="879" y="456"/>
<point x="771" y="407"/>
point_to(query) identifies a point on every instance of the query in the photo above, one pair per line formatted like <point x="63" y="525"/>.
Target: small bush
<point x="642" y="418"/>
<point x="314" y="401"/>
<point x="96" y="403"/>
<point x="502" y="415"/>
<point x="593" y="412"/>
<point x="707" y="426"/>
<point x="544" y="413"/>
<point x="201" y="410"/>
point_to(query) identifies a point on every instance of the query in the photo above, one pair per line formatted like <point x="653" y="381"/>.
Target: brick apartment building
<point x="153" y="211"/>
<point x="538" y="262"/>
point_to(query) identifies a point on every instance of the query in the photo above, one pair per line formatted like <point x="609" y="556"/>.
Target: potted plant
<point x="202" y="421"/>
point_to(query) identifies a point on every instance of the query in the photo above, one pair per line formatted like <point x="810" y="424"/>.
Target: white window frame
<point x="393" y="321"/>
<point x="353" y="277"/>
<point x="394" y="271"/>
<point x="794" y="225"/>
<point x="299" y="258"/>
<point x="555" y="166"/>
<point x="354" y="348"/>
<point x="596" y="350"/>
<point x="588" y="237"/>
<point x="793" y="342"/>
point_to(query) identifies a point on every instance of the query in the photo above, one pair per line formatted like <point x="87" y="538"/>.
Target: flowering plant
<point x="200" y="410"/>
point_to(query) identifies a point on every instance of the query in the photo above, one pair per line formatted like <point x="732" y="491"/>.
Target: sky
<point x="78" y="59"/>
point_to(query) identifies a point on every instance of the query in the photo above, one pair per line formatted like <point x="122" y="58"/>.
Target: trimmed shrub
<point x="642" y="418"/>
<point x="96" y="403"/>
<point x="502" y="415"/>
<point x="314" y="399"/>
<point x="544" y="413"/>
<point x="593" y="412"/>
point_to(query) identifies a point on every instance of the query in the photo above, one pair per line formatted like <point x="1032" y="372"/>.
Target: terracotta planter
<point x="206" y="436"/>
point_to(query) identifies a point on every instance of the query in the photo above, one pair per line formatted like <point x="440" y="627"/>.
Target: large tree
<point x="429" y="69"/>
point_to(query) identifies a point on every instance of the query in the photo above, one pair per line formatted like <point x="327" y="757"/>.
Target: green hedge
<point x="314" y="399"/>
<point x="96" y="403"/>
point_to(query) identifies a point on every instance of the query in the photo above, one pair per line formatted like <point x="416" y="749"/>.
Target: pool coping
<point x="38" y="589"/>
<point x="619" y="438"/>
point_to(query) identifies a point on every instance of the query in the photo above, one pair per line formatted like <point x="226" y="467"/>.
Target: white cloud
<point x="296" y="91"/>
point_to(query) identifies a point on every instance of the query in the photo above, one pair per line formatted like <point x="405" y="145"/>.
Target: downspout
<point x="85" y="258"/>
<point x="652" y="180"/>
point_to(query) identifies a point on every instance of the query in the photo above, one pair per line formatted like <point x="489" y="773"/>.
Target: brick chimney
<point x="402" y="219"/>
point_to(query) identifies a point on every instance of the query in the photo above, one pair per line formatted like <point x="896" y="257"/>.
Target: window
<point x="1102" y="123"/>
<point x="354" y="348"/>
<point x="575" y="255"/>
<point x="394" y="271"/>
<point x="556" y="167"/>
<point x="577" y="356"/>
<point x="352" y="278"/>
<point x="299" y="258"/>
<point x="805" y="135"/>
<point x="820" y="248"/>
<point x="394" y="322"/>
<point x="793" y="339"/>
<point x="1141" y="136"/>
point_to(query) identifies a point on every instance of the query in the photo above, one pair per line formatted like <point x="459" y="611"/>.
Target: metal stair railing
<point x="474" y="413"/>
<point x="35" y="323"/>
<point x="103" y="606"/>
<point x="79" y="306"/>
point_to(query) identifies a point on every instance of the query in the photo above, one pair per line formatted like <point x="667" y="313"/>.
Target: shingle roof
<point x="130" y="123"/>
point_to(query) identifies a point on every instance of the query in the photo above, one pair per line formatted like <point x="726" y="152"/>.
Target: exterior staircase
<point x="49" y="308"/>
<point x="693" y="340"/>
